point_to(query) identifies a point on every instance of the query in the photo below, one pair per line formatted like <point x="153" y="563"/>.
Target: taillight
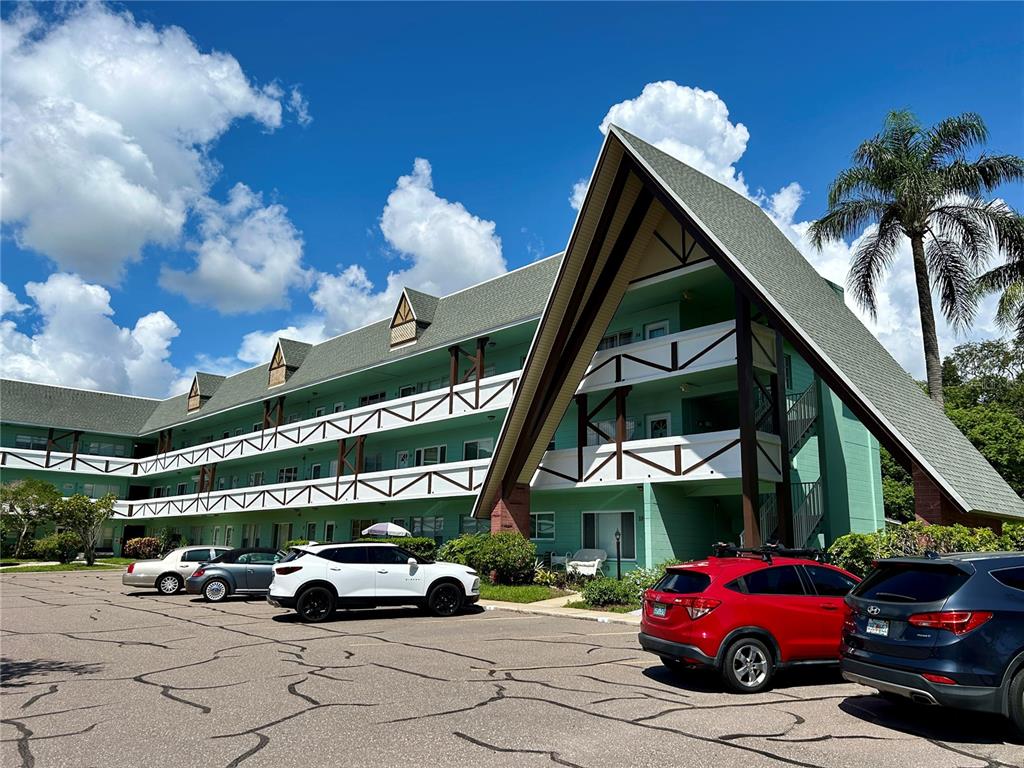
<point x="200" y="572"/>
<point x="131" y="567"/>
<point x="284" y="570"/>
<point x="698" y="606"/>
<point x="957" y="622"/>
<point x="940" y="679"/>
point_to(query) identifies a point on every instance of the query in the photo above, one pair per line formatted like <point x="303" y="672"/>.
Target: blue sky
<point x="504" y="101"/>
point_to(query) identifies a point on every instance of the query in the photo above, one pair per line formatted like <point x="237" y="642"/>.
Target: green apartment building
<point x="680" y="375"/>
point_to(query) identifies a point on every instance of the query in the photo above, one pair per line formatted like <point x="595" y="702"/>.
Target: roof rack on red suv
<point x="766" y="551"/>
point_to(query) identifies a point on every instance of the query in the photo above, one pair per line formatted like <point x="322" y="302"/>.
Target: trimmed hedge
<point x="507" y="557"/>
<point x="421" y="546"/>
<point x="856" y="551"/>
<point x="605" y="591"/>
<point x="62" y="547"/>
<point x="144" y="547"/>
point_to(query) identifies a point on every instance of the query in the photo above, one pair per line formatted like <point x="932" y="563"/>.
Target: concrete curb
<point x="602" y="617"/>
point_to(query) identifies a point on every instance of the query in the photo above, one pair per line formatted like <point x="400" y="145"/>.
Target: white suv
<point x="316" y="579"/>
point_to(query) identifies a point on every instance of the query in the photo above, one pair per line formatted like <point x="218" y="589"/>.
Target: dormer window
<point x="413" y="315"/>
<point x="278" y="374"/>
<point x="288" y="356"/>
<point x="202" y="389"/>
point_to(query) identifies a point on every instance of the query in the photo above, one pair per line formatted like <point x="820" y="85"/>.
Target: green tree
<point x="917" y="183"/>
<point x="84" y="517"/>
<point x="998" y="433"/>
<point x="26" y="504"/>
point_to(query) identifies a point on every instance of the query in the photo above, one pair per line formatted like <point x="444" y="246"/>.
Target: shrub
<point x="600" y="592"/>
<point x="856" y="551"/>
<point x="144" y="547"/>
<point x="509" y="556"/>
<point x="422" y="546"/>
<point x="295" y="543"/>
<point x="62" y="547"/>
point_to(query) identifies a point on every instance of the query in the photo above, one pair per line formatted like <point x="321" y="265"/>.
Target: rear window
<point x="683" y="582"/>
<point x="345" y="554"/>
<point x="781" y="580"/>
<point x="1011" y="577"/>
<point x="294" y="554"/>
<point x="911" y="583"/>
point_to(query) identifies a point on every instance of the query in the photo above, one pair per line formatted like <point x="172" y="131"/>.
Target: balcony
<point x="710" y="456"/>
<point x="700" y="349"/>
<point x="494" y="393"/>
<point x="461" y="478"/>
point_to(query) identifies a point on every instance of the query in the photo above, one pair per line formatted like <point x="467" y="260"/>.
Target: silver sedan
<point x="167" y="574"/>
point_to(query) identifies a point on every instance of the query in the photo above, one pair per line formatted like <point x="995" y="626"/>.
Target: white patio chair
<point x="587" y="562"/>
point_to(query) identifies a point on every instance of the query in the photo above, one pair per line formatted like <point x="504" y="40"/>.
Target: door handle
<point x="335" y="569"/>
<point x="385" y="570"/>
<point x="829" y="607"/>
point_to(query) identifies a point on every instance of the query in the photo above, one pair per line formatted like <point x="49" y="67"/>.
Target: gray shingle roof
<point x="43" y="405"/>
<point x="512" y="298"/>
<point x="423" y="305"/>
<point x="208" y="383"/>
<point x="767" y="255"/>
<point x="294" y="352"/>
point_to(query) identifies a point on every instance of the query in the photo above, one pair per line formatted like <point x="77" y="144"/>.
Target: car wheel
<point x="315" y="604"/>
<point x="215" y="590"/>
<point x="445" y="599"/>
<point x="747" y="666"/>
<point x="169" y="584"/>
<point x="1016" y="708"/>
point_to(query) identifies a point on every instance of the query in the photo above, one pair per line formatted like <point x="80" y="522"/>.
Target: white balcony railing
<point x="495" y="393"/>
<point x="710" y="456"/>
<point x="460" y="478"/>
<point x="700" y="349"/>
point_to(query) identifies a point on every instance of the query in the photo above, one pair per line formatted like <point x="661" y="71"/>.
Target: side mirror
<point x="413" y="561"/>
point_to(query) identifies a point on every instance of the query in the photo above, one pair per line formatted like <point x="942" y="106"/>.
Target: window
<point x="281" y="533"/>
<point x="260" y="558"/>
<point x="430" y="527"/>
<point x="373" y="462"/>
<point x="333" y="468"/>
<point x="659" y="425"/>
<point x="829" y="583"/>
<point x="196" y="555"/>
<point x="287" y="474"/>
<point x="654" y="330"/>
<point x="97" y="490"/>
<point x="435" y="454"/>
<point x="1011" y="577"/>
<point x="782" y="580"/>
<point x="410" y="389"/>
<point x="542" y="526"/>
<point x="608" y="428"/>
<point x="195" y="534"/>
<point x="911" y="583"/>
<point x="293" y="418"/>
<point x="257" y="427"/>
<point x="616" y="340"/>
<point x="229" y="536"/>
<point x="358" y="526"/>
<point x="255" y="478"/>
<point x="314" y="472"/>
<point x="226" y="435"/>
<point x="376" y="397"/>
<point x="478" y="449"/>
<point x="329" y="531"/>
<point x="182" y="489"/>
<point x="222" y="483"/>
<point x="310" y="531"/>
<point x="250" y="535"/>
<point x="238" y="431"/>
<point x="387" y="556"/>
<point x="317" y="412"/>
<point x="788" y="360"/>
<point x="158" y="492"/>
<point x="683" y="582"/>
<point x="30" y="442"/>
<point x="470" y="524"/>
<point x="216" y="535"/>
<point x="599" y="532"/>
<point x="352" y="555"/>
<point x="339" y="407"/>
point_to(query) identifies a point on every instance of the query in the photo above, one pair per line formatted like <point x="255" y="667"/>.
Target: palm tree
<point x="1009" y="279"/>
<point x="917" y="183"/>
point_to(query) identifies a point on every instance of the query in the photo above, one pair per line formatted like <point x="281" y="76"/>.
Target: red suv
<point x="747" y="613"/>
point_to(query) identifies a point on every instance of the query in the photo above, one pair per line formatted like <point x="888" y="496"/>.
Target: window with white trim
<point x="329" y="531"/>
<point x="618" y="339"/>
<point x="434" y="454"/>
<point x="287" y="474"/>
<point x="339" y="407"/>
<point x="659" y="425"/>
<point x="314" y="472"/>
<point x="430" y="527"/>
<point x="255" y="478"/>
<point x="608" y="428"/>
<point x="370" y="399"/>
<point x="542" y="526"/>
<point x="182" y="489"/>
<point x="478" y="449"/>
<point x="318" y="412"/>
<point x="654" y="330"/>
<point x="599" y="532"/>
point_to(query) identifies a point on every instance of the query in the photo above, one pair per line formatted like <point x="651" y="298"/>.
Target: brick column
<point x="512" y="511"/>
<point x="931" y="506"/>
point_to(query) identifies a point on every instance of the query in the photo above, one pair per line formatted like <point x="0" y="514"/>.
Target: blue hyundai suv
<point x="941" y="629"/>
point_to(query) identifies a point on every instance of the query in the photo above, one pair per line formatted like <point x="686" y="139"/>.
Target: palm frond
<point x="1010" y="310"/>
<point x="872" y="258"/>
<point x="859" y="181"/>
<point x="846" y="219"/>
<point x="954" y="136"/>
<point x="953" y="277"/>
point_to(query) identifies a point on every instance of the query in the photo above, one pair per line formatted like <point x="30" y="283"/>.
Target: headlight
<point x="476" y="585"/>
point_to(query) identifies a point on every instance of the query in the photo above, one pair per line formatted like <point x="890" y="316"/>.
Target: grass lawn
<point x="63" y="567"/>
<point x="526" y="593"/>
<point x="609" y="608"/>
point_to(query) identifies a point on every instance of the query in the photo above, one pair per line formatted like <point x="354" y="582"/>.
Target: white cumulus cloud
<point x="76" y="343"/>
<point x="249" y="257"/>
<point x="9" y="304"/>
<point x="107" y="123"/>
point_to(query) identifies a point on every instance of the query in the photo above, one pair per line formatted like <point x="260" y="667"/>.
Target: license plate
<point x="878" y="627"/>
<point x="659" y="609"/>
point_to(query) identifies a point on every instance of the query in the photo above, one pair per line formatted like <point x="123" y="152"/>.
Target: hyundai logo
<point x="874" y="610"/>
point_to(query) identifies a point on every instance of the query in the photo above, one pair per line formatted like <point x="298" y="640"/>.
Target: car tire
<point x="1016" y="703"/>
<point x="216" y="591"/>
<point x="315" y="604"/>
<point x="169" y="584"/>
<point x="445" y="599"/>
<point x="747" y="666"/>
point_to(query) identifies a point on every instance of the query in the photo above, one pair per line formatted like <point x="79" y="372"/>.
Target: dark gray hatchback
<point x="943" y="630"/>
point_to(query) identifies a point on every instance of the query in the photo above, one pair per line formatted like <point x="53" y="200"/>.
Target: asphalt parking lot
<point x="95" y="674"/>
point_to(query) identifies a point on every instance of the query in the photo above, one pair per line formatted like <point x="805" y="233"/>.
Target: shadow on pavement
<point x="358" y="614"/>
<point x="707" y="681"/>
<point x="12" y="672"/>
<point x="930" y="722"/>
